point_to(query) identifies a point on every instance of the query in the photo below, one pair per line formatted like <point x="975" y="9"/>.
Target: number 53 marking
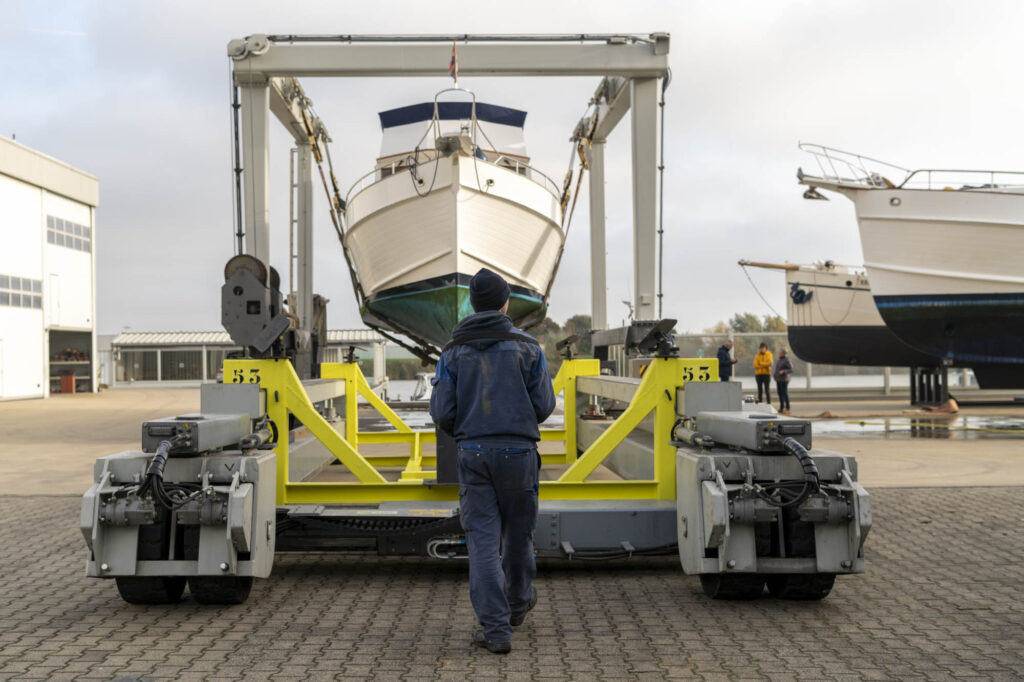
<point x="238" y="376"/>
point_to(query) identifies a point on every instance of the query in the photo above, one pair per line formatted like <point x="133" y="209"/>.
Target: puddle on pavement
<point x="951" y="427"/>
<point x="955" y="427"/>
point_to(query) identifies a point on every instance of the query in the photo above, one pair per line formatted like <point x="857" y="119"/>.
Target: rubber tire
<point x="732" y="586"/>
<point x="220" y="589"/>
<point x="807" y="587"/>
<point x="150" y="590"/>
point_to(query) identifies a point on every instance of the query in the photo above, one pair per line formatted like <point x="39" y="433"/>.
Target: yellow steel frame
<point x="285" y="395"/>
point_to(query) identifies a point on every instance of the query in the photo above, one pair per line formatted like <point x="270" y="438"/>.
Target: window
<point x="11" y="288"/>
<point x="137" y="365"/>
<point x="68" y="234"/>
<point x="181" y="365"/>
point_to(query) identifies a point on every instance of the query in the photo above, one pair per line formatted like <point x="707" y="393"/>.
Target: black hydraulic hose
<point x="793" y="447"/>
<point x="163" y="451"/>
<point x="785" y="490"/>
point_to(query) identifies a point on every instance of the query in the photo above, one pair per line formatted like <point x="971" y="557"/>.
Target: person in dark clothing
<point x="725" y="361"/>
<point x="491" y="390"/>
<point x="783" y="373"/>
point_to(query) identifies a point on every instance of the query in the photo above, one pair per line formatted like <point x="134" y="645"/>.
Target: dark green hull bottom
<point x="428" y="311"/>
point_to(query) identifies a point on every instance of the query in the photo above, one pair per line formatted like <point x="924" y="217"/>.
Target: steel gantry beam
<point x="624" y="56"/>
<point x="631" y="67"/>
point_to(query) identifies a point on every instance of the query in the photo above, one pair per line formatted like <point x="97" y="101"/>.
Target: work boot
<point x="517" y="618"/>
<point x="494" y="647"/>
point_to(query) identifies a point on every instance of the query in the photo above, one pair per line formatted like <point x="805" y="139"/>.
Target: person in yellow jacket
<point x="763" y="373"/>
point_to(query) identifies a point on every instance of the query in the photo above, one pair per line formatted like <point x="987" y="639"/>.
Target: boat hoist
<point x="284" y="456"/>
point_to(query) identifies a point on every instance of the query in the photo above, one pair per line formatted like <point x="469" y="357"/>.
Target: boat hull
<point x="946" y="273"/>
<point x="414" y="247"/>
<point x="430" y="309"/>
<point x="872" y="346"/>
<point x="833" y="320"/>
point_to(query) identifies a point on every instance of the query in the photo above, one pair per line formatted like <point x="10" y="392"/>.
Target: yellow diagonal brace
<point x="639" y="408"/>
<point x="298" y="404"/>
<point x="380" y="405"/>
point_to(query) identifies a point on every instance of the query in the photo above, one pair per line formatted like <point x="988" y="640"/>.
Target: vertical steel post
<point x="256" y="169"/>
<point x="380" y="363"/>
<point x="644" y="127"/>
<point x="598" y="254"/>
<point x="304" y="228"/>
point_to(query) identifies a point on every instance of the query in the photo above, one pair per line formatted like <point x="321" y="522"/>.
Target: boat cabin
<point x="410" y="134"/>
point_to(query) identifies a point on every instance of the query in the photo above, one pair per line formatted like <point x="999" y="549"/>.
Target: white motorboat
<point x="943" y="251"/>
<point x="832" y="318"/>
<point x="452" y="192"/>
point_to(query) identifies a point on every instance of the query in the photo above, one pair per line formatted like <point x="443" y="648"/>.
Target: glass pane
<point x="60" y="225"/>
<point x="60" y="239"/>
<point x="26" y="301"/>
<point x="37" y="302"/>
<point x="214" y="363"/>
<point x="181" y="365"/>
<point x="37" y="286"/>
<point x="15" y="283"/>
<point x="49" y="221"/>
<point x="78" y="243"/>
<point x="78" y="229"/>
<point x="5" y="282"/>
<point x="137" y="365"/>
<point x="87" y="233"/>
<point x="16" y="300"/>
<point x="51" y="237"/>
<point x="86" y="246"/>
<point x="5" y="298"/>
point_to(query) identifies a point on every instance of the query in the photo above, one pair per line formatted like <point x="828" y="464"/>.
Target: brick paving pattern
<point x="942" y="599"/>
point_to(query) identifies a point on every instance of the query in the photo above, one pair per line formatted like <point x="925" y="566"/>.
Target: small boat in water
<point x="452" y="192"/>
<point x="832" y="318"/>
<point x="943" y="251"/>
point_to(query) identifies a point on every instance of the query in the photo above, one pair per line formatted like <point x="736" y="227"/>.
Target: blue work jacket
<point x="491" y="389"/>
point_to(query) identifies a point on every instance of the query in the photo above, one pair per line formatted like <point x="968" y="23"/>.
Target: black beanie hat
<point x="487" y="291"/>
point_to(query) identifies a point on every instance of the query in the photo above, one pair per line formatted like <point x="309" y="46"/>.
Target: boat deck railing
<point x="509" y="163"/>
<point x="857" y="170"/>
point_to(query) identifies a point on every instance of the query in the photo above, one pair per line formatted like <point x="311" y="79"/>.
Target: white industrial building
<point x="47" y="275"/>
<point x="190" y="358"/>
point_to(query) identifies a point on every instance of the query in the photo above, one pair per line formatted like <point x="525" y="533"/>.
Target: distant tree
<point x="580" y="326"/>
<point x="745" y="323"/>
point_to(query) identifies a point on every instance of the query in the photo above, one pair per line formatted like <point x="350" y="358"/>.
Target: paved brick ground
<point x="943" y="599"/>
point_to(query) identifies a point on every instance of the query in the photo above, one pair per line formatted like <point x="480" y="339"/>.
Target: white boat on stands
<point x="831" y="318"/>
<point x="943" y="251"/>
<point x="452" y="192"/>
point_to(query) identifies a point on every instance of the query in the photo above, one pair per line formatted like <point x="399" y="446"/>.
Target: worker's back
<point x="490" y="386"/>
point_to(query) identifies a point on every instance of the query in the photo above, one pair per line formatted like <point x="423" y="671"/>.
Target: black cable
<point x="783" y="490"/>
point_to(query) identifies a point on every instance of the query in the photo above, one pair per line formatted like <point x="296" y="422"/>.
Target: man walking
<point x="725" y="361"/>
<point x="491" y="391"/>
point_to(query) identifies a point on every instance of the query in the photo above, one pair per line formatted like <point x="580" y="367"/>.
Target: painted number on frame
<point x="238" y="376"/>
<point x="697" y="372"/>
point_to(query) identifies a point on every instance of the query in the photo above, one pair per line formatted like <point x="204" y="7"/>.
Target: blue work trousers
<point x="498" y="511"/>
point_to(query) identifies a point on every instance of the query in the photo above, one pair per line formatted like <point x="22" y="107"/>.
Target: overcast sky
<point x="137" y="94"/>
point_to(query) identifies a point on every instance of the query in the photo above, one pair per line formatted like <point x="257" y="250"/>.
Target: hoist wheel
<point x="150" y="590"/>
<point x="219" y="589"/>
<point x="807" y="586"/>
<point x="246" y="262"/>
<point x="734" y="586"/>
